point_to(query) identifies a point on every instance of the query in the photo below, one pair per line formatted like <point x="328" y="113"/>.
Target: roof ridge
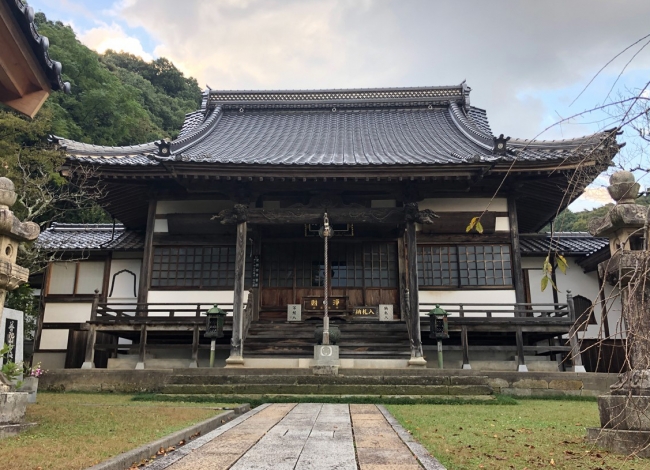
<point x="469" y="130"/>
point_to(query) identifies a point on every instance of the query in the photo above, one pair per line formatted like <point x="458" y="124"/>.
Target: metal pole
<point x="213" y="346"/>
<point x="440" y="354"/>
<point x="326" y="318"/>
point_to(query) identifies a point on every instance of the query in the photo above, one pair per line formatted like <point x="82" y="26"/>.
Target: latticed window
<point x="195" y="267"/>
<point x="351" y="265"/>
<point x="464" y="266"/>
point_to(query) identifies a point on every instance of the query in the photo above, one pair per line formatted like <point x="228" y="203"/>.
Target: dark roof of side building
<point x="565" y="243"/>
<point x="90" y="237"/>
<point x="363" y="127"/>
<point x="24" y="15"/>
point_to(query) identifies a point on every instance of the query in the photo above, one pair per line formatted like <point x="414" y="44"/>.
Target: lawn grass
<point x="77" y="430"/>
<point x="533" y="434"/>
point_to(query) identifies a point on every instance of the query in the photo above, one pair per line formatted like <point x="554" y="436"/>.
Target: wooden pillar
<point x="521" y="363"/>
<point x="573" y="336"/>
<point x="236" y="358"/>
<point x="517" y="273"/>
<point x="89" y="360"/>
<point x="403" y="281"/>
<point x="465" y="346"/>
<point x="195" y="348"/>
<point x="142" y="347"/>
<point x="145" y="269"/>
<point x="417" y="358"/>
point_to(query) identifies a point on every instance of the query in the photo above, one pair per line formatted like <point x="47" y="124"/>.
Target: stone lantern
<point x="12" y="232"/>
<point x="624" y="411"/>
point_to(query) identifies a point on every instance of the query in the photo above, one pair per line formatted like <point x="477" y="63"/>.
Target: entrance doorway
<point x="360" y="274"/>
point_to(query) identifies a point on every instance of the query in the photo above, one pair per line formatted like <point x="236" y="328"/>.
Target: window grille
<point x="464" y="266"/>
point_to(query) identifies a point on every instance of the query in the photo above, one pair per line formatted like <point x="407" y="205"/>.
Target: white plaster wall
<point x="579" y="283"/>
<point x="501" y="224"/>
<point x="54" y="339"/>
<point x="160" y="226"/>
<point x="120" y="288"/>
<point x="171" y="298"/>
<point x="91" y="277"/>
<point x="192" y="207"/>
<point x="464" y="204"/>
<point x="66" y="312"/>
<point x="451" y="299"/>
<point x="62" y="278"/>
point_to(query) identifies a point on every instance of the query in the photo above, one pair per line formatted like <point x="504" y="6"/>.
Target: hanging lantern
<point x="215" y="318"/>
<point x="438" y="325"/>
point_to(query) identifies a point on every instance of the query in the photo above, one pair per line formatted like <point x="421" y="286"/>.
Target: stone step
<point x="327" y="389"/>
<point x="341" y="379"/>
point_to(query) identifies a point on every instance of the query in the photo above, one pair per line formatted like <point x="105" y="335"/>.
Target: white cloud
<point x="508" y="51"/>
<point x="104" y="37"/>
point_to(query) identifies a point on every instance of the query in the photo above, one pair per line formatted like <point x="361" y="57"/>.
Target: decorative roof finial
<point x="500" y="147"/>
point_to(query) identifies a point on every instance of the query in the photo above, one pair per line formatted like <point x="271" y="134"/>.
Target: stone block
<point x="624" y="442"/>
<point x="530" y="383"/>
<point x="498" y="384"/>
<point x="12" y="407"/>
<point x="516" y="392"/>
<point x="470" y="390"/>
<point x="468" y="380"/>
<point x="326" y="354"/>
<point x="624" y="412"/>
<point x="565" y="384"/>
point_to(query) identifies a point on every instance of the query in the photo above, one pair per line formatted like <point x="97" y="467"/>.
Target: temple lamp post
<point x="326" y="232"/>
<point x="215" y="318"/>
<point x="438" y="328"/>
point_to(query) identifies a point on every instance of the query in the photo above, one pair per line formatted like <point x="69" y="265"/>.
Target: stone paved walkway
<point x="305" y="437"/>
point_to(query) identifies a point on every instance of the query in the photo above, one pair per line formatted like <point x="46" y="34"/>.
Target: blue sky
<point x="525" y="61"/>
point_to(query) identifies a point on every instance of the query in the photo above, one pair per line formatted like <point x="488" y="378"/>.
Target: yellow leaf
<point x="553" y="462"/>
<point x="479" y="227"/>
<point x="545" y="280"/>
<point x="561" y="263"/>
<point x="472" y="224"/>
<point x="547" y="265"/>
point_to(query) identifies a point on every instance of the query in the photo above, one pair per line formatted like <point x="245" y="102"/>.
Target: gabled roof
<point x="90" y="237"/>
<point x="565" y="243"/>
<point x="368" y="127"/>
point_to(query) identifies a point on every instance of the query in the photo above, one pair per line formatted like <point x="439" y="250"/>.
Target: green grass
<point x="77" y="430"/>
<point x="534" y="434"/>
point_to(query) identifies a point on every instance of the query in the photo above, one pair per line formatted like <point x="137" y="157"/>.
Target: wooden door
<point x="364" y="273"/>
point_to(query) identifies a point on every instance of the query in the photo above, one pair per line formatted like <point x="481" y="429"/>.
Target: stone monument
<point x="624" y="411"/>
<point x="12" y="233"/>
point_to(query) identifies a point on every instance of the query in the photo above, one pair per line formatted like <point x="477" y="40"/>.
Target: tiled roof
<point x="83" y="237"/>
<point x="566" y="243"/>
<point x="391" y="126"/>
<point x="24" y="15"/>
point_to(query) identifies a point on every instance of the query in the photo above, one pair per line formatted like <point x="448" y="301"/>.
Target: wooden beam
<point x="517" y="273"/>
<point x="145" y="269"/>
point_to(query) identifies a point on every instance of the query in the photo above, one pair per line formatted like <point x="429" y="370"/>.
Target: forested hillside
<point x="569" y="221"/>
<point x="116" y="99"/>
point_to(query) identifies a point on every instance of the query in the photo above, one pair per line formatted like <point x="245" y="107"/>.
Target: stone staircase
<point x="359" y="340"/>
<point x="371" y="382"/>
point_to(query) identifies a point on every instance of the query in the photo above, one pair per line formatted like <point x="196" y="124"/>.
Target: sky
<point x="525" y="60"/>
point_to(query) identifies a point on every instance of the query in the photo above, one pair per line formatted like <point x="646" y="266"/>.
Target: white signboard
<point x="11" y="333"/>
<point x="385" y="312"/>
<point x="294" y="312"/>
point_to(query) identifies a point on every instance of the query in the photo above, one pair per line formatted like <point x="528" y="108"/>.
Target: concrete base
<point x="522" y="368"/>
<point x="326" y="354"/>
<point x="624" y="442"/>
<point x="193" y="365"/>
<point x="326" y="369"/>
<point x="417" y="362"/>
<point x="624" y="412"/>
<point x="580" y="369"/>
<point x="139" y="366"/>
<point x="88" y="365"/>
<point x="8" y="430"/>
<point x="467" y="367"/>
<point x="12" y="407"/>
<point x="234" y="361"/>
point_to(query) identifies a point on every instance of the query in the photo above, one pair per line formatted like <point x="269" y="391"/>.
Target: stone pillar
<point x="12" y="233"/>
<point x="236" y="358"/>
<point x="624" y="411"/>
